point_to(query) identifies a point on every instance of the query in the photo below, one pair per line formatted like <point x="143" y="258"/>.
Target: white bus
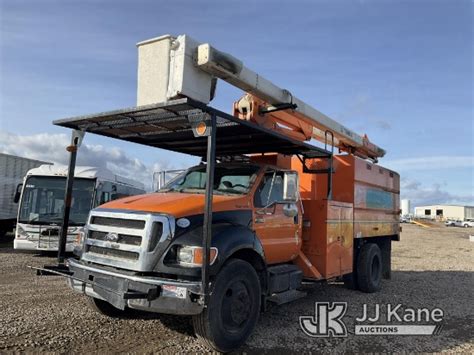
<point x="41" y="205"/>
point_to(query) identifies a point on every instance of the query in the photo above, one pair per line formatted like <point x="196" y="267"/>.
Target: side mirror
<point x="16" y="198"/>
<point x="290" y="187"/>
<point x="104" y="197"/>
<point x="113" y="194"/>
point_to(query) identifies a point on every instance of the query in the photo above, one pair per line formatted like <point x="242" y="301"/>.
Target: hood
<point x="178" y="204"/>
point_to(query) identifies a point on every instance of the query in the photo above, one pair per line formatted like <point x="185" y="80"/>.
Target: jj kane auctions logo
<point x="328" y="320"/>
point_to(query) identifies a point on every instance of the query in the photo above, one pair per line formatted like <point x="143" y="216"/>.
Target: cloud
<point x="51" y="148"/>
<point x="420" y="195"/>
<point x="431" y="163"/>
<point x="362" y="112"/>
<point x="382" y="124"/>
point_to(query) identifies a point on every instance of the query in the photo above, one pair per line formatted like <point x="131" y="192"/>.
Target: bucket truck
<point x="265" y="209"/>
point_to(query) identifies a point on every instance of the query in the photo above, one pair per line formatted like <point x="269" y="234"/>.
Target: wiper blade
<point x="231" y="192"/>
<point x="191" y="190"/>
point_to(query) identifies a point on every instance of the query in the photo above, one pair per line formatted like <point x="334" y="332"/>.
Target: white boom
<point x="171" y="67"/>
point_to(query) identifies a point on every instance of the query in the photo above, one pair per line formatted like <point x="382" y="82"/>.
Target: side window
<point x="102" y="193"/>
<point x="268" y="192"/>
<point x="104" y="197"/>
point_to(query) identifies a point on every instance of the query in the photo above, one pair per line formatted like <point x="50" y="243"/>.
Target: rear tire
<point x="369" y="268"/>
<point x="105" y="308"/>
<point x="233" y="309"/>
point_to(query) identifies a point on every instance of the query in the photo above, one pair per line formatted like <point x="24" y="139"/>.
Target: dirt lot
<point x="432" y="268"/>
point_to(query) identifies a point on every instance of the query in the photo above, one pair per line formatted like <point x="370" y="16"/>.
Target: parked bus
<point x="41" y="198"/>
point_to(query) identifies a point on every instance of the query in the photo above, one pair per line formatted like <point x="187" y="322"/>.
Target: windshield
<point x="227" y="180"/>
<point x="42" y="201"/>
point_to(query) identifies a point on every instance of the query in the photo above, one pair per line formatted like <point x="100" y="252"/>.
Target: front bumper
<point x="25" y="244"/>
<point x="145" y="293"/>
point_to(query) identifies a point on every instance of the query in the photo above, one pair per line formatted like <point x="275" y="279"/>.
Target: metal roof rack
<point x="169" y="126"/>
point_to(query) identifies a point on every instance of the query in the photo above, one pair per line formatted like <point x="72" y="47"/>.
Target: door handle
<point x="259" y="220"/>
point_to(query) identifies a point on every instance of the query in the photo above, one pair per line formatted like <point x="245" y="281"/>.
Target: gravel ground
<point x="431" y="268"/>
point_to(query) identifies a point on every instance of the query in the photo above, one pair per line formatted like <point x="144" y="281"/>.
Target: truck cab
<point x="256" y="211"/>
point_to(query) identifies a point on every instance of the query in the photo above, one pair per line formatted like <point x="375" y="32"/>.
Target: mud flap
<point x="117" y="298"/>
<point x="386" y="249"/>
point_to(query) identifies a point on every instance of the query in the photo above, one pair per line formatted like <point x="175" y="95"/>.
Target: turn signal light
<point x="201" y="128"/>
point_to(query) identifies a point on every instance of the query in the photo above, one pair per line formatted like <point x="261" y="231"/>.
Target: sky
<point x="400" y="71"/>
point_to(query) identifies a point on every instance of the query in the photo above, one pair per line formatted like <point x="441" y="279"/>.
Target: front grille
<point x="122" y="238"/>
<point x="50" y="232"/>
<point x="114" y="253"/>
<point x="118" y="222"/>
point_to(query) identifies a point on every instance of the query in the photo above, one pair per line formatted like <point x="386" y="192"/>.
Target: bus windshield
<point x="42" y="200"/>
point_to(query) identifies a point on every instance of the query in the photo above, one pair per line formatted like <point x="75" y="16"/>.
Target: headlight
<point x="79" y="239"/>
<point x="193" y="256"/>
<point x="79" y="242"/>
<point x="20" y="232"/>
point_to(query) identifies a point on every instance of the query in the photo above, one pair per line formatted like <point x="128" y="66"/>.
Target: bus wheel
<point x="369" y="268"/>
<point x="233" y="308"/>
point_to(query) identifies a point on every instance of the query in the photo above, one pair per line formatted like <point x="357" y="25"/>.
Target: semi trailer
<point x="266" y="209"/>
<point x="12" y="171"/>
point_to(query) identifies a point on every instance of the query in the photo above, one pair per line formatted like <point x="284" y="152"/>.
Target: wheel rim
<point x="236" y="307"/>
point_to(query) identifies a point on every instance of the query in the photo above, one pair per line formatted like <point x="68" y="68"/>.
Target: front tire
<point x="369" y="268"/>
<point x="233" y="308"/>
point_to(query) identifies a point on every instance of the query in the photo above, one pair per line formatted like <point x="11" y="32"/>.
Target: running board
<point x="286" y="296"/>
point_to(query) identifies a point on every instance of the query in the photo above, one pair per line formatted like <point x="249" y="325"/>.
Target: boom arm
<point x="171" y="67"/>
<point x="265" y="96"/>
<point x="289" y="122"/>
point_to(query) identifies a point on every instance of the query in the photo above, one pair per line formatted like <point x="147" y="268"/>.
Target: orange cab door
<point x="279" y="233"/>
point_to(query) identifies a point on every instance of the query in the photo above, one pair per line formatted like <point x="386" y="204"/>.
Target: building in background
<point x="406" y="207"/>
<point x="443" y="212"/>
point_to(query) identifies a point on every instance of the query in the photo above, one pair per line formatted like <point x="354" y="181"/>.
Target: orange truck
<point x="264" y="211"/>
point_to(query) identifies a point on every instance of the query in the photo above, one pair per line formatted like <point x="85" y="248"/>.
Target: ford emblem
<point x="112" y="237"/>
<point x="183" y="223"/>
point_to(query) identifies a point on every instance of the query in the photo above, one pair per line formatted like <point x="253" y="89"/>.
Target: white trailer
<point x="41" y="205"/>
<point x="12" y="171"/>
